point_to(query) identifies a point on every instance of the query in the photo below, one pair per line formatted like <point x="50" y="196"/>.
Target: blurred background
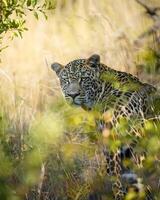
<point x="76" y="29"/>
<point x="126" y="34"/>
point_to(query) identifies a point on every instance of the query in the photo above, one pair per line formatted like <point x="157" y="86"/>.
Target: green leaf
<point x="20" y="33"/>
<point x="28" y="2"/>
<point x="34" y="3"/>
<point x="15" y="34"/>
<point x="25" y="28"/>
<point x="44" y="14"/>
<point x="36" y="14"/>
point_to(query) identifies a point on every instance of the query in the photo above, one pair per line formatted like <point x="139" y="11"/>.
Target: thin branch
<point x="153" y="29"/>
<point x="151" y="11"/>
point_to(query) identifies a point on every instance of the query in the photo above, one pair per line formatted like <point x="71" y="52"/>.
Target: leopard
<point x="93" y="86"/>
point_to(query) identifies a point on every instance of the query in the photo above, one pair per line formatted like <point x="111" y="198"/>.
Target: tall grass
<point x="29" y="90"/>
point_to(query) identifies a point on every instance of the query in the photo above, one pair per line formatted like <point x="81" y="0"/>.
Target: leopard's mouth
<point x="69" y="99"/>
<point x="79" y="101"/>
<point x="76" y="100"/>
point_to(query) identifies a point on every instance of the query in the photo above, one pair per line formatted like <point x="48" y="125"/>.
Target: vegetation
<point x="48" y="148"/>
<point x="13" y="15"/>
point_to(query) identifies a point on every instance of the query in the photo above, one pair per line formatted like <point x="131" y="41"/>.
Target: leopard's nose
<point x="73" y="95"/>
<point x="73" y="90"/>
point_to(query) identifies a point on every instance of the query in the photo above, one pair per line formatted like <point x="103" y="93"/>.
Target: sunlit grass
<point x="33" y="125"/>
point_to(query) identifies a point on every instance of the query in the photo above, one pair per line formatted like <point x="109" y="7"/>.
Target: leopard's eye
<point x="65" y="81"/>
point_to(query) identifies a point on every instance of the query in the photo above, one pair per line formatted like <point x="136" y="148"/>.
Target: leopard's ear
<point x="94" y="60"/>
<point x="56" y="67"/>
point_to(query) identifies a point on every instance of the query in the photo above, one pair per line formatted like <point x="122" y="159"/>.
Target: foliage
<point x="48" y="149"/>
<point x="13" y="14"/>
<point x="150" y="59"/>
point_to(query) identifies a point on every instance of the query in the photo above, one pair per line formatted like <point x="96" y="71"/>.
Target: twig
<point x="151" y="11"/>
<point x="153" y="29"/>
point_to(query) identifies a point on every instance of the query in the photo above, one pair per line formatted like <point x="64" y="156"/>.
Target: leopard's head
<point x="79" y="80"/>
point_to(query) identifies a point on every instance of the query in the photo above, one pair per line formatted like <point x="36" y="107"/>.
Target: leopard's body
<point x="94" y="86"/>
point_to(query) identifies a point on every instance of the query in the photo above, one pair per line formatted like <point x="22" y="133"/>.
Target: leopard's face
<point x="79" y="80"/>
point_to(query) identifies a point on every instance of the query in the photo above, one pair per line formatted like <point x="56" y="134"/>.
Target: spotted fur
<point x="94" y="86"/>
